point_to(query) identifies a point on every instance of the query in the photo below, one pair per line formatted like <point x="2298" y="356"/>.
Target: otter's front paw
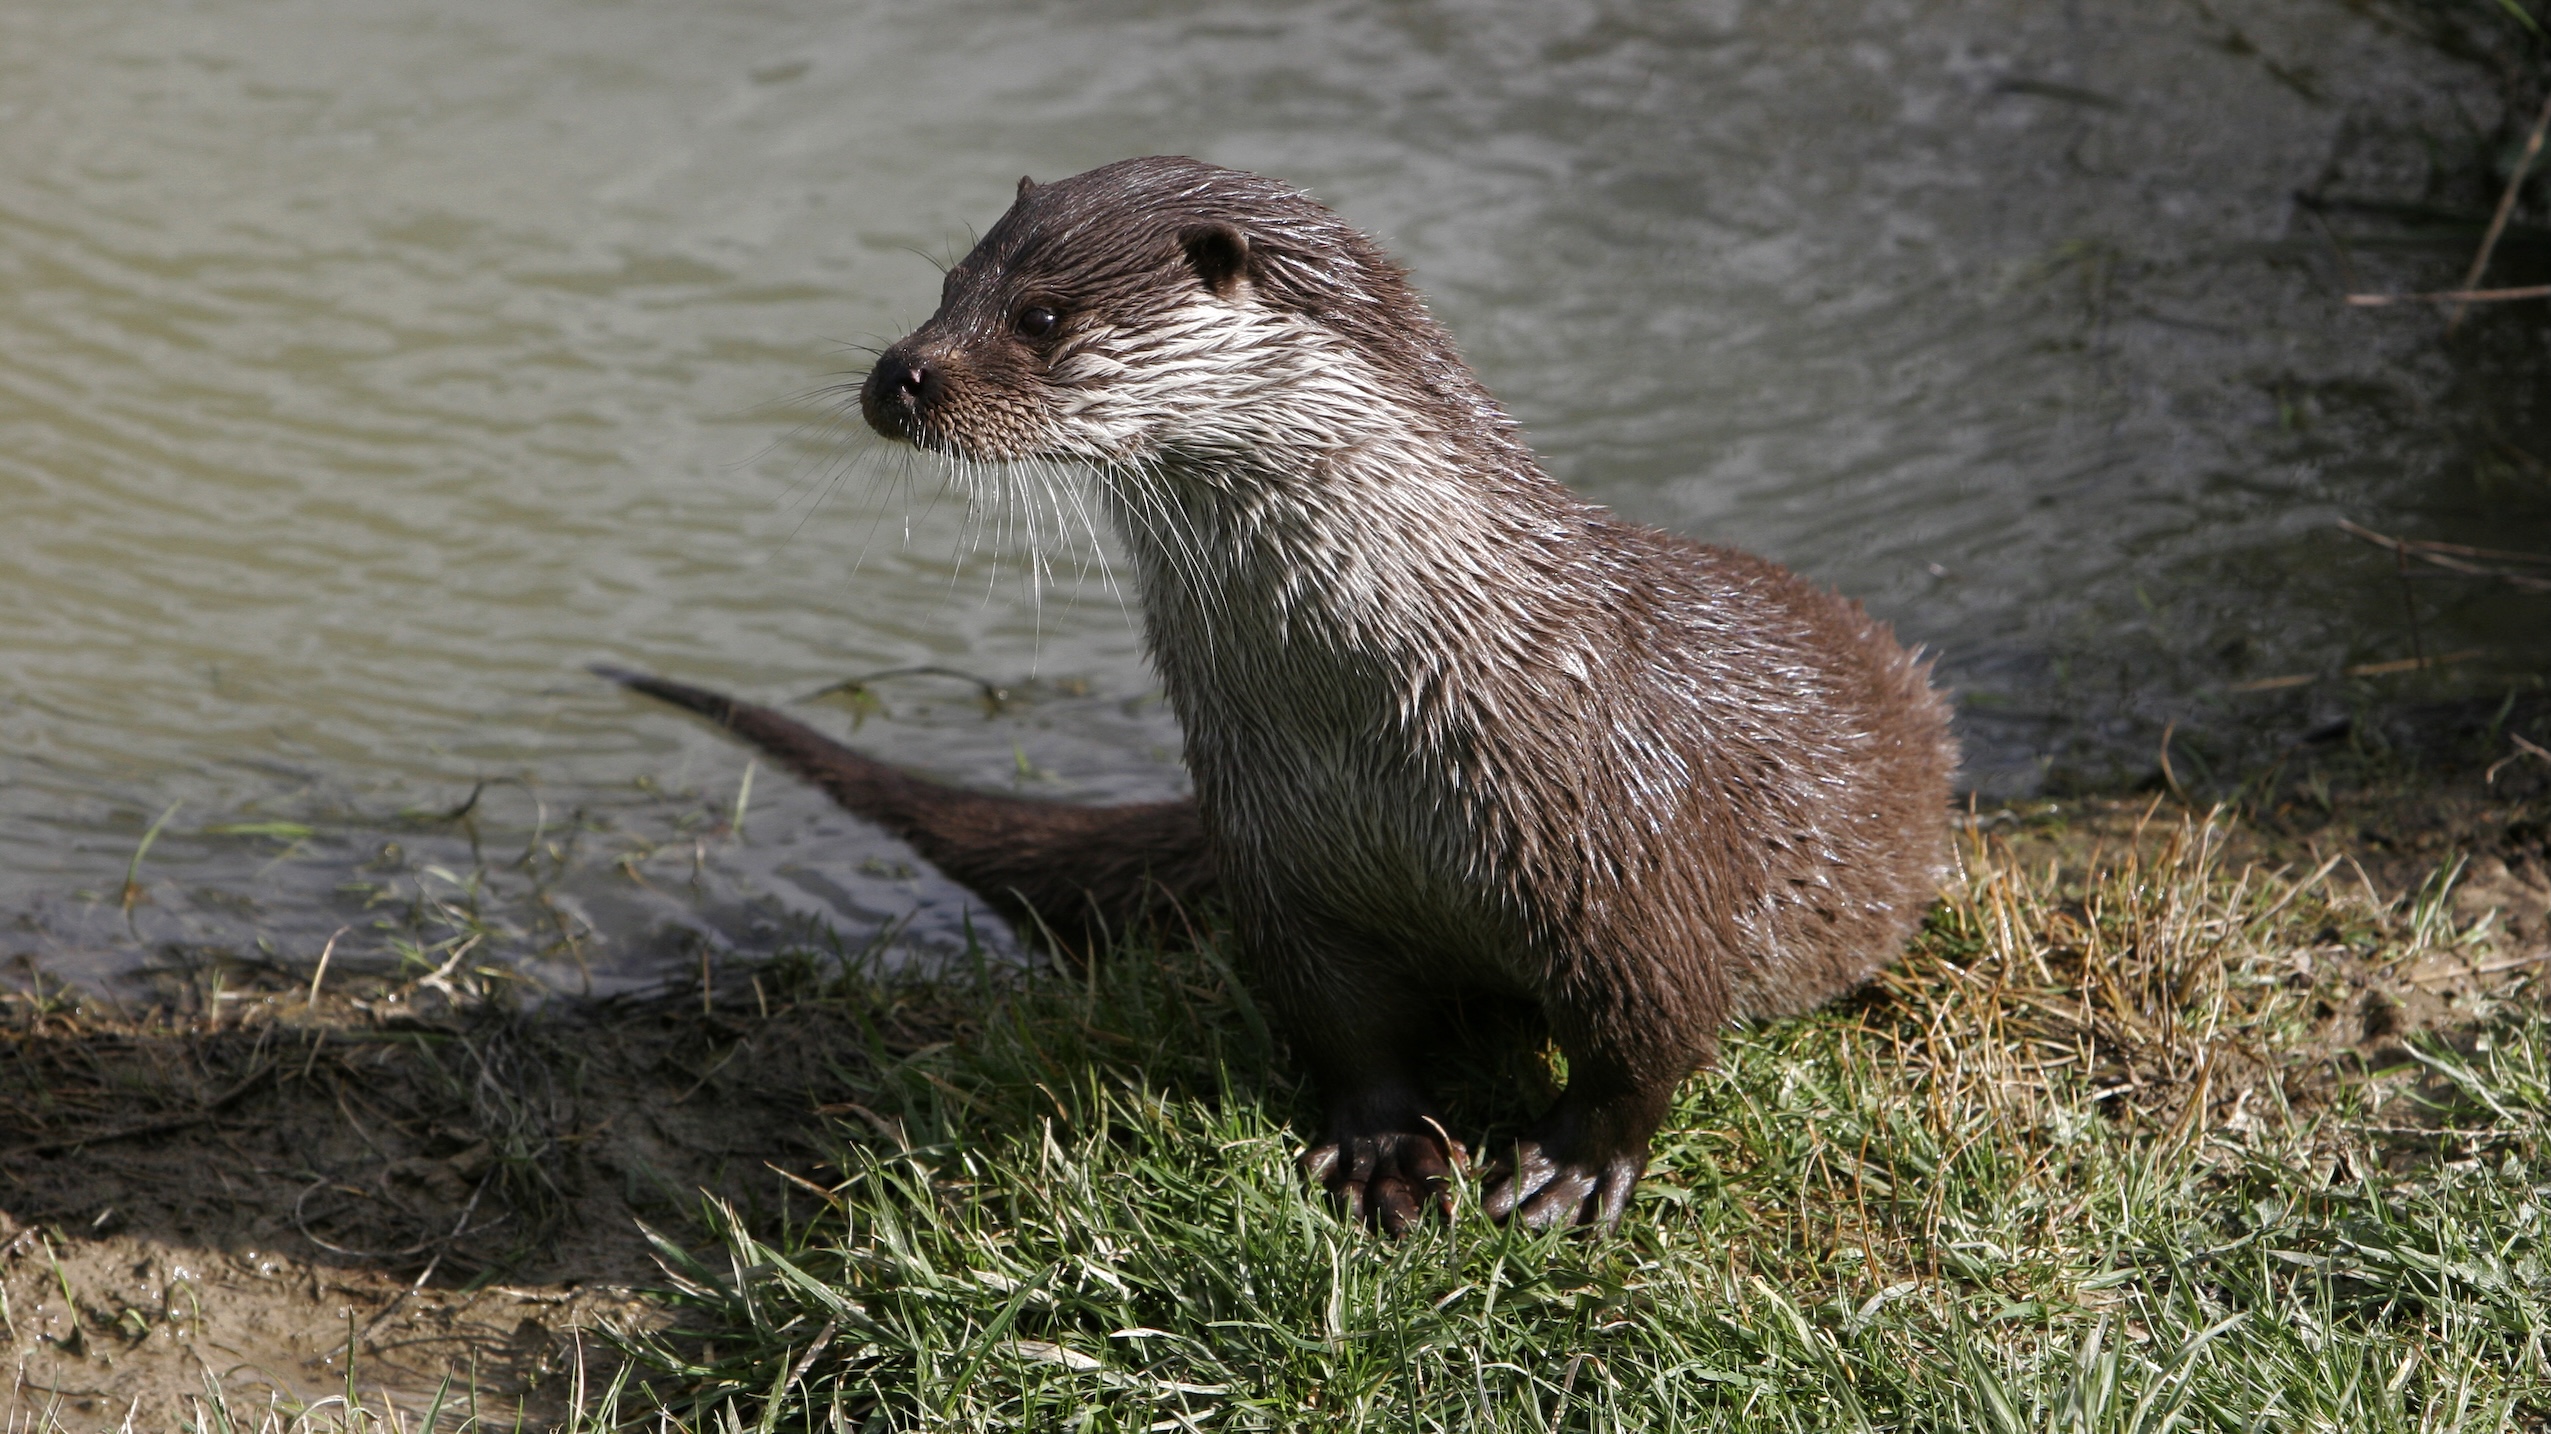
<point x="1544" y="1185"/>
<point x="1389" y="1178"/>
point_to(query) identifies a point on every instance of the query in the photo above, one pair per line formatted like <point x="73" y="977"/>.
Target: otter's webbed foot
<point x="1543" y="1187"/>
<point x="1389" y="1177"/>
<point x="1577" y="1167"/>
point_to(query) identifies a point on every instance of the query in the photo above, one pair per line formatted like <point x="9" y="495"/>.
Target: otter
<point x="1455" y="732"/>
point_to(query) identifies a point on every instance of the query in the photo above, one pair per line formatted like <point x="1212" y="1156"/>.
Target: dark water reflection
<point x="365" y="371"/>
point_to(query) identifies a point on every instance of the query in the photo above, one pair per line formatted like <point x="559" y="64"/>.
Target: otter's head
<point x="1164" y="309"/>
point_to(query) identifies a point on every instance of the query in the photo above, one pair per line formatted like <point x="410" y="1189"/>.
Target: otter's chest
<point x="1340" y="690"/>
<point x="1345" y="784"/>
<point x="1358" y="834"/>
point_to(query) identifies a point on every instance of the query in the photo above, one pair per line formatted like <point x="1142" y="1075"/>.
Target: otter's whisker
<point x="1051" y="481"/>
<point x="1071" y="484"/>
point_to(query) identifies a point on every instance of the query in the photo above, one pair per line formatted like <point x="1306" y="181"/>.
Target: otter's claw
<point x="1542" y="1187"/>
<point x="1387" y="1178"/>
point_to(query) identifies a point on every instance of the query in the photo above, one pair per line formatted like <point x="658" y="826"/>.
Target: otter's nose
<point x="898" y="389"/>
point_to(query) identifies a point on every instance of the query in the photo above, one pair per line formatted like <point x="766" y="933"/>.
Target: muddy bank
<point x="244" y="1185"/>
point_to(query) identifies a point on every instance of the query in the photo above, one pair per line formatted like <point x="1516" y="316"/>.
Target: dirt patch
<point x="239" y="1185"/>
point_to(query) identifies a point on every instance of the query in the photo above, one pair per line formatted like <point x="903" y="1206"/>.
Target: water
<point x="367" y="370"/>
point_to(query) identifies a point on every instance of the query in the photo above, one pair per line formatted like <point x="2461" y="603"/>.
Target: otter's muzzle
<point x="899" y="393"/>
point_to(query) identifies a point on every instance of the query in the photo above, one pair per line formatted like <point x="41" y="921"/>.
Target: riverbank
<point x="2234" y="1107"/>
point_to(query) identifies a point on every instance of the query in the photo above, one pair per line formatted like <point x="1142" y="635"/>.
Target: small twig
<point x="831" y="1199"/>
<point x="743" y="799"/>
<point x="2427" y="547"/>
<point x="2168" y="728"/>
<point x="325" y="952"/>
<point x="441" y="979"/>
<point x="2452" y="557"/>
<point x="2523" y="749"/>
<point x="2453" y="296"/>
<point x="2506" y="207"/>
<point x="2510" y="963"/>
<point x="2411" y="664"/>
<point x="887" y="1129"/>
<point x="2276" y="683"/>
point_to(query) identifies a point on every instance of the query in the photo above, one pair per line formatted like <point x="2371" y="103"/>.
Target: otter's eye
<point x="1037" y="323"/>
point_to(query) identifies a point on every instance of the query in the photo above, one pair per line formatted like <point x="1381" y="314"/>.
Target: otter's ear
<point x="1218" y="253"/>
<point x="1025" y="184"/>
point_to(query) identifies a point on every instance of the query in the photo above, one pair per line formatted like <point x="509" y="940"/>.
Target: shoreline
<point x="224" y="1181"/>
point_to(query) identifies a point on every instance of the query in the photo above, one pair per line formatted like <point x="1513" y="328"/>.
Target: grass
<point x="2138" y="1137"/>
<point x="453" y="1409"/>
<point x="2111" y="1150"/>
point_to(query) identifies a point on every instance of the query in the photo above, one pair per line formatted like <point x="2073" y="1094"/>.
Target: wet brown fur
<point x="1454" y="730"/>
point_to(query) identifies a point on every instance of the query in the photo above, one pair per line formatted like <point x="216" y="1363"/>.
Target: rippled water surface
<point x="365" y="371"/>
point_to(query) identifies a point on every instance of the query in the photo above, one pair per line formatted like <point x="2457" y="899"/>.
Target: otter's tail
<point x="1076" y="874"/>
